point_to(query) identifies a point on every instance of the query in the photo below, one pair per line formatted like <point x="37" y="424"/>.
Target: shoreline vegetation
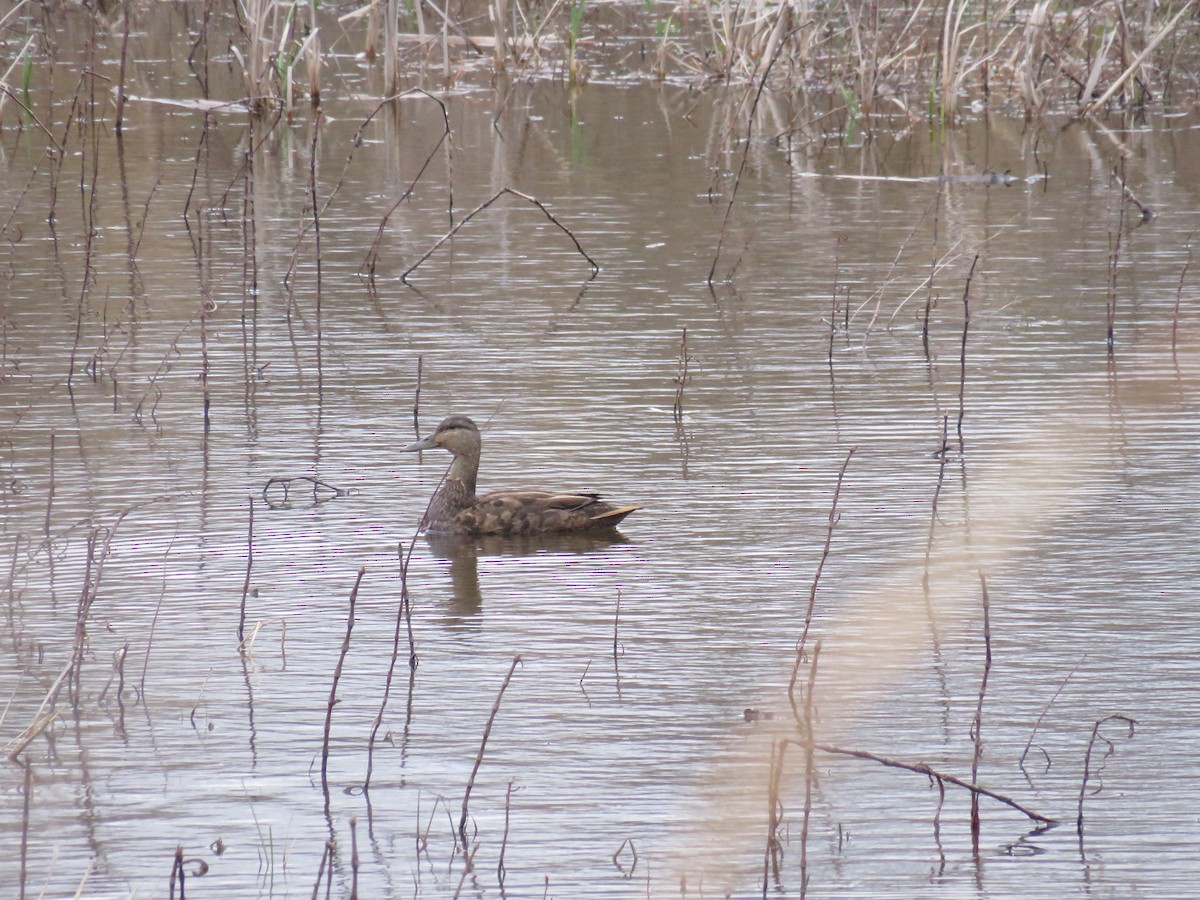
<point x="865" y="64"/>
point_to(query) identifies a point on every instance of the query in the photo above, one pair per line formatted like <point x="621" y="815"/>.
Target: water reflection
<point x="464" y="554"/>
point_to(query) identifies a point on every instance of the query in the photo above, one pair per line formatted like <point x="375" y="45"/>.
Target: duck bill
<point x="424" y="444"/>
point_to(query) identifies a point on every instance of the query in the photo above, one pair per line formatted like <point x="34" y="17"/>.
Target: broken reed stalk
<point x="977" y="725"/>
<point x="930" y="772"/>
<point x="484" y="205"/>
<point x="834" y="515"/>
<point x="962" y="359"/>
<point x="337" y="674"/>
<point x="1131" y="725"/>
<point x="487" y="730"/>
<point x="241" y="632"/>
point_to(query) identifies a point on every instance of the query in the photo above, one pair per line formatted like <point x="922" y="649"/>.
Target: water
<point x="1073" y="497"/>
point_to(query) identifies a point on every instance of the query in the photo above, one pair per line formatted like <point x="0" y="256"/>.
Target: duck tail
<point x="614" y="516"/>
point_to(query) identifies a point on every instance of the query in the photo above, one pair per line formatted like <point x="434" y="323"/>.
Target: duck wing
<point x="524" y="511"/>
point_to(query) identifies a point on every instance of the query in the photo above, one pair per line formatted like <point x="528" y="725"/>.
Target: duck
<point x="457" y="510"/>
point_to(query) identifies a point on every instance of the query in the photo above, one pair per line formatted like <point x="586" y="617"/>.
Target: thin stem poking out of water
<point x="1110" y="749"/>
<point x="403" y="616"/>
<point x="27" y="794"/>
<point x="241" y="632"/>
<point x="762" y="84"/>
<point x="487" y="730"/>
<point x="834" y="515"/>
<point x="962" y="359"/>
<point x="337" y="674"/>
<point x="977" y="725"/>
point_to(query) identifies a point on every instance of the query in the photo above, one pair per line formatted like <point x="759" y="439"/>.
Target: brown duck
<point x="457" y="510"/>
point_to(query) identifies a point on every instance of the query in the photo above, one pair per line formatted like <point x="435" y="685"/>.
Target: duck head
<point x="458" y="434"/>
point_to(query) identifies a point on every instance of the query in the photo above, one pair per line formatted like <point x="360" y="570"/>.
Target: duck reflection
<point x="463" y="553"/>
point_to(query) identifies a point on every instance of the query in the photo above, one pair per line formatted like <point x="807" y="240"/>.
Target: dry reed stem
<point x="831" y="524"/>
<point x="241" y="630"/>
<point x="810" y="770"/>
<point x="353" y="858"/>
<point x="1114" y="259"/>
<point x="977" y="724"/>
<point x="337" y="674"/>
<point x="616" y="625"/>
<point x="119" y="118"/>
<point x="27" y="794"/>
<point x="1187" y="245"/>
<point x="487" y="730"/>
<point x="484" y="205"/>
<point x="1042" y="715"/>
<point x="416" y="407"/>
<point x="403" y="616"/>
<point x="467" y="869"/>
<point x="762" y="84"/>
<point x="500" y="869"/>
<point x="773" y="852"/>
<point x="682" y="378"/>
<point x="962" y="359"/>
<point x="1136" y="63"/>
<point x="177" y="871"/>
<point x="326" y="859"/>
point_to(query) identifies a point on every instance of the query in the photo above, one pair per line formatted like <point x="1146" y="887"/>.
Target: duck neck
<point x="457" y="491"/>
<point x="463" y="472"/>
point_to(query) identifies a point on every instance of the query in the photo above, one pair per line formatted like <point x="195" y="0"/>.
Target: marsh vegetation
<point x="882" y="312"/>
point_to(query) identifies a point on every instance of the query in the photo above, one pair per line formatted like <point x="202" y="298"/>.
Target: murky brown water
<point x="1074" y="495"/>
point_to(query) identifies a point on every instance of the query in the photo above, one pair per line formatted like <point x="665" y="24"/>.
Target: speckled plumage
<point x="456" y="508"/>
